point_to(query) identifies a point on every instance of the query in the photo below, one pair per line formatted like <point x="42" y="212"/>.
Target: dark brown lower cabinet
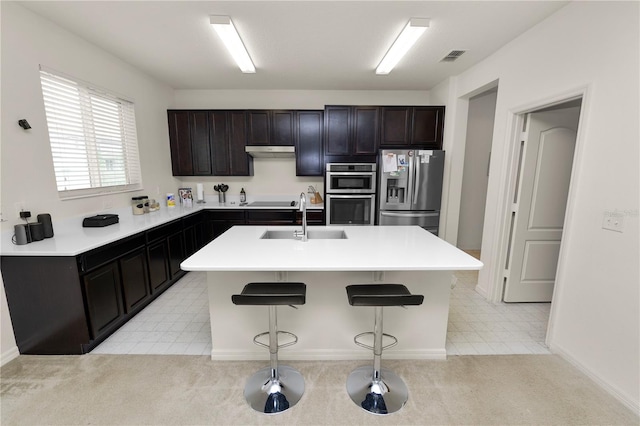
<point x="102" y="289"/>
<point x="135" y="279"/>
<point x="271" y="217"/>
<point x="64" y="305"/>
<point x="176" y="252"/>
<point x="46" y="303"/>
<point x="219" y="221"/>
<point x="314" y="217"/>
<point x="158" y="268"/>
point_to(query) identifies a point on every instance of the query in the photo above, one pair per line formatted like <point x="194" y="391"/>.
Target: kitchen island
<point x="326" y="324"/>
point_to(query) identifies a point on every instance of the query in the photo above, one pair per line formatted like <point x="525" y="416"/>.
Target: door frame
<point x="501" y="232"/>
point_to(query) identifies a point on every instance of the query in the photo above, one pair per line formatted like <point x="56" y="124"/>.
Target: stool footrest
<point x="284" y="345"/>
<point x="390" y="345"/>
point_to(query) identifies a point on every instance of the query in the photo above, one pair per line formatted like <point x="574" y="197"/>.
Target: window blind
<point x="92" y="136"/>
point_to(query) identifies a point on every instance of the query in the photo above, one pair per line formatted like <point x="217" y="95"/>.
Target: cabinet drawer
<point x="270" y="217"/>
<point x="164" y="230"/>
<point x="225" y="215"/>
<point x="97" y="257"/>
<point x="192" y="219"/>
<point x="314" y="217"/>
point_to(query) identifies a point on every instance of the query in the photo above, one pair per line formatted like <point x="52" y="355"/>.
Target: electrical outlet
<point x="18" y="207"/>
<point x="613" y="221"/>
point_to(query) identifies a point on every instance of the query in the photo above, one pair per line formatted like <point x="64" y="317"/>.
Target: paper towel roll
<point x="200" y="191"/>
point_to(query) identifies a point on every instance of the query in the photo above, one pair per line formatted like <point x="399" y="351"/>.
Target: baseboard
<point x="612" y="390"/>
<point x="481" y="291"/>
<point x="315" y="355"/>
<point x="9" y="355"/>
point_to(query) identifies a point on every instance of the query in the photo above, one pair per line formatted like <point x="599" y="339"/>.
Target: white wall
<point x="476" y="165"/>
<point x="27" y="169"/>
<point x="593" y="45"/>
<point x="295" y="99"/>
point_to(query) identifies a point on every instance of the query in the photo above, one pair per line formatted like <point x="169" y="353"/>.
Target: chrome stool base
<point x="384" y="396"/>
<point x="269" y="396"/>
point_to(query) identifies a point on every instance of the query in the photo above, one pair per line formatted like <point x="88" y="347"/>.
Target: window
<point x="92" y="136"/>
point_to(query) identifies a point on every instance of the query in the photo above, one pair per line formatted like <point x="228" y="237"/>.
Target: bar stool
<point x="276" y="388"/>
<point x="378" y="390"/>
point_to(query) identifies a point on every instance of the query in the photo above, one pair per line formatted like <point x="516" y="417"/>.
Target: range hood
<point x="270" y="151"/>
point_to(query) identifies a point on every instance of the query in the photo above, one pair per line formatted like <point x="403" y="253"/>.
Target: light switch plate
<point x="613" y="221"/>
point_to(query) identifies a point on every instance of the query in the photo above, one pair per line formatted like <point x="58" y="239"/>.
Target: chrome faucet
<point x="303" y="209"/>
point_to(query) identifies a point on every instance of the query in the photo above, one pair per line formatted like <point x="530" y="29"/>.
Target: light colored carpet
<point x="177" y="390"/>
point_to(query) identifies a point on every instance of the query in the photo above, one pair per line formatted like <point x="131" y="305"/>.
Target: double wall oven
<point x="350" y="193"/>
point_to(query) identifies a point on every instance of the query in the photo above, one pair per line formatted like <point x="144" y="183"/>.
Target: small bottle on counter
<point x="243" y="196"/>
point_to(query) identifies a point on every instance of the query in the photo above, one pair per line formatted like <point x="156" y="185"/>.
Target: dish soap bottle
<point x="243" y="196"/>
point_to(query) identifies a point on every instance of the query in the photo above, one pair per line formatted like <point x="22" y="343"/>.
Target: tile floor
<point x="177" y="322"/>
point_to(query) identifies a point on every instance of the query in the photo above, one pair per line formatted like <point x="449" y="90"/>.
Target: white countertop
<point x="71" y="239"/>
<point x="367" y="248"/>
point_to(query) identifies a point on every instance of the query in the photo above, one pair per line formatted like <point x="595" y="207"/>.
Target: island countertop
<point x="366" y="248"/>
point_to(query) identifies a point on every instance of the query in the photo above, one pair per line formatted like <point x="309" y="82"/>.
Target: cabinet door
<point x="219" y="143"/>
<point x="365" y="130"/>
<point x="241" y="164"/>
<point x="180" y="143"/>
<point x="396" y="125"/>
<point x="190" y="241"/>
<point x="175" y="247"/>
<point x="428" y="123"/>
<point x="135" y="281"/>
<point x="200" y="146"/>
<point x="337" y="130"/>
<point x="104" y="302"/>
<point x="282" y="129"/>
<point x="218" y="221"/>
<point x="259" y="127"/>
<point x="309" y="149"/>
<point x="158" y="265"/>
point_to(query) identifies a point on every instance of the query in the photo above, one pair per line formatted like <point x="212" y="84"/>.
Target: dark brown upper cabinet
<point x="228" y="139"/>
<point x="351" y="131"/>
<point x="208" y="143"/>
<point x="270" y="127"/>
<point x="412" y="126"/>
<point x="189" y="140"/>
<point x="309" y="150"/>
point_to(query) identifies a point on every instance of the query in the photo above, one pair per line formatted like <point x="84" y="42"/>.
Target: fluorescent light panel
<point x="231" y="39"/>
<point x="409" y="35"/>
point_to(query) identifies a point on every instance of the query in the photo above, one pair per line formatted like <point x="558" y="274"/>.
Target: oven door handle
<point x="391" y="214"/>
<point x="350" y="196"/>
<point x="351" y="173"/>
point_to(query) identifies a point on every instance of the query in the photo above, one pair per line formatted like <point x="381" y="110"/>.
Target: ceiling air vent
<point x="452" y="56"/>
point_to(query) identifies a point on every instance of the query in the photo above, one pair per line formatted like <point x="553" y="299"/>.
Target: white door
<point x="540" y="201"/>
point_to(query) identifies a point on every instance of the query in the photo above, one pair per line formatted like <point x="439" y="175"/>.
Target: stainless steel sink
<point x="312" y="234"/>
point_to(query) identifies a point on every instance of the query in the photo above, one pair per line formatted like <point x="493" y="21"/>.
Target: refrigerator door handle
<point x="411" y="179"/>
<point x="416" y="180"/>
<point x="406" y="214"/>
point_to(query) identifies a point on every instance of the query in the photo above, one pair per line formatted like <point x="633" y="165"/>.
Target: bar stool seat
<point x="375" y="389"/>
<point x="276" y="388"/>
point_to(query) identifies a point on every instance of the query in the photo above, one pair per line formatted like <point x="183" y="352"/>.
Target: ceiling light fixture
<point x="409" y="35"/>
<point x="231" y="39"/>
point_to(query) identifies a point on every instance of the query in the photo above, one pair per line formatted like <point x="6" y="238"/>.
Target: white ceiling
<point x="312" y="45"/>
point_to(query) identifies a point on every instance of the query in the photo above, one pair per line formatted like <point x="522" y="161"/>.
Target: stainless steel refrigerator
<point x="410" y="187"/>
